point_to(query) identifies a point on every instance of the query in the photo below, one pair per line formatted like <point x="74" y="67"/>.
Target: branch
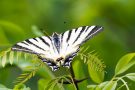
<point x="75" y="80"/>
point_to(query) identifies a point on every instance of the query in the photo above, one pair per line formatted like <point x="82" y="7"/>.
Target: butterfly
<point x="59" y="49"/>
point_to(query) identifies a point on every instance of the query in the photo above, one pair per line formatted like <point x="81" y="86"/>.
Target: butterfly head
<point x="59" y="59"/>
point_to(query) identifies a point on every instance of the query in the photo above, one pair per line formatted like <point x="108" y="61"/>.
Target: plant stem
<point x="73" y="76"/>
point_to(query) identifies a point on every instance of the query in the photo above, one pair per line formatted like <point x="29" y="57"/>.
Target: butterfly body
<point x="59" y="49"/>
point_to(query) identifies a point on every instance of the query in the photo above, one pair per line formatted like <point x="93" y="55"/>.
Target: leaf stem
<point x="124" y="83"/>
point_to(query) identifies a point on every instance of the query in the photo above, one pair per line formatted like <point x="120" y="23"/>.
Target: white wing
<point x="72" y="39"/>
<point x="65" y="45"/>
<point x="40" y="46"/>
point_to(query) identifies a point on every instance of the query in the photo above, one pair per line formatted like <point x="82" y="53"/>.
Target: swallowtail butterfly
<point x="59" y="49"/>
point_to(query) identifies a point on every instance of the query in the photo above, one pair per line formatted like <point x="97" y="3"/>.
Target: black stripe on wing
<point x="25" y="43"/>
<point x="21" y="48"/>
<point x="38" y="43"/>
<point x="89" y="31"/>
<point x="93" y="32"/>
<point x="62" y="37"/>
<point x="46" y="43"/>
<point x="35" y="39"/>
<point x="28" y="41"/>
<point x="83" y="28"/>
<point x="69" y="34"/>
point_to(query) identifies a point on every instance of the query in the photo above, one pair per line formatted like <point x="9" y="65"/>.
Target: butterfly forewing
<point x="34" y="45"/>
<point x="76" y="37"/>
<point x="65" y="45"/>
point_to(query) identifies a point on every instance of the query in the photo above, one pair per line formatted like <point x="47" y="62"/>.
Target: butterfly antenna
<point x="45" y="33"/>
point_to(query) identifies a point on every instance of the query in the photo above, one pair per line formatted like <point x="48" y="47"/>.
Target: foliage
<point x="123" y="65"/>
<point x="23" y="19"/>
<point x="95" y="68"/>
<point x="18" y="87"/>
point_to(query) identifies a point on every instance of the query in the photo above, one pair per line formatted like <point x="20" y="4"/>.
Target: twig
<point x="73" y="76"/>
<point x="75" y="80"/>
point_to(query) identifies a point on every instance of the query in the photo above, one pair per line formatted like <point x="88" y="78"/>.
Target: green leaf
<point x="79" y="69"/>
<point x="131" y="76"/>
<point x="110" y="85"/>
<point x="21" y="87"/>
<point x="12" y="30"/>
<point x="91" y="87"/>
<point x="36" y="31"/>
<point x="4" y="59"/>
<point x="2" y="87"/>
<point x="5" y="89"/>
<point x="42" y="84"/>
<point x="101" y="85"/>
<point x="25" y="77"/>
<point x="125" y="63"/>
<point x="11" y="57"/>
<point x="96" y="76"/>
<point x="4" y="40"/>
<point x="48" y="84"/>
<point x="97" y="87"/>
<point x="95" y="66"/>
<point x="18" y="55"/>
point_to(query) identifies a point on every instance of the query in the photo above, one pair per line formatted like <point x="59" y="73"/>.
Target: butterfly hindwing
<point x="51" y="64"/>
<point x="68" y="60"/>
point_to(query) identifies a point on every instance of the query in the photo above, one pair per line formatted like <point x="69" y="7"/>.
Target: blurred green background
<point x="18" y="18"/>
